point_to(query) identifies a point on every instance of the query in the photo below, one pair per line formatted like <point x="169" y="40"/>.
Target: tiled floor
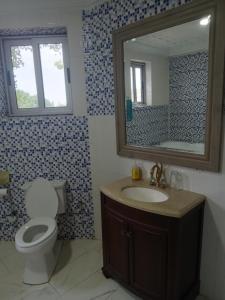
<point x="77" y="276"/>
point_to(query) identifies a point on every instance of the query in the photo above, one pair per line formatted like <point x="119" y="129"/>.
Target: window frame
<point x="142" y="66"/>
<point x="34" y="41"/>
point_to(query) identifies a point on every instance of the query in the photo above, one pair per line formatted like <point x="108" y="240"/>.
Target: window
<point x="137" y="78"/>
<point x="38" y="75"/>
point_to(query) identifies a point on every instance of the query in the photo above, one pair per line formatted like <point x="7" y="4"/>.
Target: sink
<point x="144" y="194"/>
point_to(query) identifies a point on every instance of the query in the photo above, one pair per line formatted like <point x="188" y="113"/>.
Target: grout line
<point x="109" y="293"/>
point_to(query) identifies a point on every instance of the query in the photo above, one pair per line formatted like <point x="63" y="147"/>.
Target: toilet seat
<point x="39" y="229"/>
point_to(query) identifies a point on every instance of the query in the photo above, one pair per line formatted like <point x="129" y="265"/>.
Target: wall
<point x="107" y="166"/>
<point x="55" y="147"/>
<point x="155" y="64"/>
<point x="149" y="125"/>
<point x="188" y="75"/>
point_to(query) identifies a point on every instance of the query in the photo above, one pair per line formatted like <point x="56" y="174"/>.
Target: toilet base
<point x="39" y="267"/>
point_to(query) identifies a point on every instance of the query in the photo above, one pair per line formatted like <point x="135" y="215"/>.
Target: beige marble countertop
<point x="178" y="204"/>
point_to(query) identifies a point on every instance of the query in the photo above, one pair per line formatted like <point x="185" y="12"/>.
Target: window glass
<point x="38" y="75"/>
<point x="138" y="84"/>
<point x="131" y="84"/>
<point x="53" y="75"/>
<point x="24" y="76"/>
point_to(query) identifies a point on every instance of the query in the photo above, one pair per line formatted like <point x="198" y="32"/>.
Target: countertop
<point x="178" y="204"/>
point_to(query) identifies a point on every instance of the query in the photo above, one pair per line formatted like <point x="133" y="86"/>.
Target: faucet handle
<point x="176" y="180"/>
<point x="163" y="180"/>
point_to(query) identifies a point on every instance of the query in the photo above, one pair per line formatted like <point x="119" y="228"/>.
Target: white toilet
<point x="37" y="238"/>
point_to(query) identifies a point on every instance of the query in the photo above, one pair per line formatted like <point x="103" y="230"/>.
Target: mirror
<point x="165" y="87"/>
<point x="166" y="83"/>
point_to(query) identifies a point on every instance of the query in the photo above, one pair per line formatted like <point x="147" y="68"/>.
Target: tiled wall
<point x="188" y="77"/>
<point x="99" y="23"/>
<point x="51" y="147"/>
<point x="149" y="125"/>
<point x="184" y="118"/>
<point x="54" y="147"/>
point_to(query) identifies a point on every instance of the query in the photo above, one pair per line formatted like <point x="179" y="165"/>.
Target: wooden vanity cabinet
<point x="157" y="257"/>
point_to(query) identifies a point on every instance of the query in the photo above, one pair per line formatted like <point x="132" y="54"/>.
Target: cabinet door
<point x="115" y="245"/>
<point x="148" y="259"/>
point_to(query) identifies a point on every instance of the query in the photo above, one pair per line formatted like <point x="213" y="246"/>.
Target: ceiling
<point x="182" y="39"/>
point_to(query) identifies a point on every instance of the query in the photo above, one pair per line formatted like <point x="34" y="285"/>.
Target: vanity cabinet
<point x="157" y="257"/>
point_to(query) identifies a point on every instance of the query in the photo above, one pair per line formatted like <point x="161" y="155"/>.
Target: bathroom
<point x="80" y="147"/>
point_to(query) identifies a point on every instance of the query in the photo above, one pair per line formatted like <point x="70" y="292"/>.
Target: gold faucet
<point x="157" y="178"/>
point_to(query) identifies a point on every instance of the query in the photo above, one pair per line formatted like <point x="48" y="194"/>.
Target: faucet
<point x="176" y="180"/>
<point x="157" y="178"/>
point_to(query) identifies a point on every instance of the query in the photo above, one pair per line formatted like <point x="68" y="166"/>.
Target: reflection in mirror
<point x="166" y="83"/>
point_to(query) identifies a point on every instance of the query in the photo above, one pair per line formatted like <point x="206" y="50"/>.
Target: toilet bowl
<point x="37" y="238"/>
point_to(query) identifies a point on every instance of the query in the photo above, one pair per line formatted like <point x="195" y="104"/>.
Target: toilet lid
<point x="41" y="199"/>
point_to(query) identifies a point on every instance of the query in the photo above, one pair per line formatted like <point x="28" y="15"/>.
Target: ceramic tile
<point x="7" y="249"/>
<point x="3" y="269"/>
<point x="103" y="297"/>
<point x="73" y="249"/>
<point x="87" y="244"/>
<point x="10" y="291"/>
<point x="77" y="271"/>
<point x="14" y="262"/>
<point x="70" y="251"/>
<point x="12" y="286"/>
<point x="95" y="287"/>
<point x="41" y="147"/>
<point x="122" y="294"/>
<point x="42" y="292"/>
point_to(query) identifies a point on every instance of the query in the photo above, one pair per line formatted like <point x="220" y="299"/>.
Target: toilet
<point x="37" y="238"/>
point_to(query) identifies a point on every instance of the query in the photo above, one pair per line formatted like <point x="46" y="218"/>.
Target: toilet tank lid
<point x="41" y="199"/>
<point x="55" y="183"/>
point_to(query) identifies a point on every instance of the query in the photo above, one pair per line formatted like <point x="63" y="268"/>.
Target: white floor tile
<point x="9" y="291"/>
<point x="122" y="294"/>
<point x="11" y="286"/>
<point x="95" y="287"/>
<point x="42" y="292"/>
<point x="7" y="249"/>
<point x="77" y="271"/>
<point x="3" y="269"/>
<point x="87" y="244"/>
<point x="14" y="262"/>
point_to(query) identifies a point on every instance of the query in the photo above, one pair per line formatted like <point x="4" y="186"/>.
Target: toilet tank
<point x="59" y="186"/>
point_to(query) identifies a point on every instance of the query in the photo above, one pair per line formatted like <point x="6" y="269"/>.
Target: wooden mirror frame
<point x="186" y="13"/>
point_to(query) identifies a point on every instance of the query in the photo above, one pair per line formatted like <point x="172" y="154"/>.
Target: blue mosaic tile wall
<point x="98" y="24"/>
<point x="53" y="147"/>
<point x="184" y="119"/>
<point x="149" y="126"/>
<point x="188" y="76"/>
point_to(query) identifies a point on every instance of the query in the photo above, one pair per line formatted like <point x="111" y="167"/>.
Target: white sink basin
<point x="144" y="194"/>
